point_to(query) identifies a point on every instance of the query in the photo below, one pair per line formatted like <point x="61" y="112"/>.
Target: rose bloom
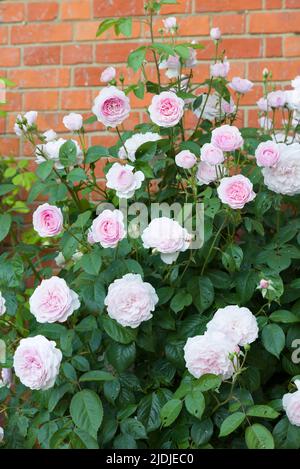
<point x="31" y="117"/>
<point x="60" y="260"/>
<point x="241" y="85"/>
<point x="191" y="62"/>
<point x="267" y="154"/>
<point x="214" y="108"/>
<point x="236" y="191"/>
<point x="170" y="24"/>
<point x="51" y="151"/>
<point x="215" y="34"/>
<point x="209" y="354"/>
<point x="50" y="135"/>
<point x="227" y="138"/>
<point x="185" y="159"/>
<point x="211" y="154"/>
<point x="293" y="99"/>
<point x="73" y="121"/>
<point x="284" y="178"/>
<point x="238" y="324"/>
<point x="132" y="144"/>
<point x="220" y="69"/>
<point x="208" y="173"/>
<point x="276" y="99"/>
<point x="291" y="404"/>
<point x="262" y="104"/>
<point x="124" y="180"/>
<point x="264" y="284"/>
<point x="37" y="362"/>
<point x="108" y="229"/>
<point x="265" y="123"/>
<point x="2" y="305"/>
<point x="48" y="220"/>
<point x="166" y="109"/>
<point x="130" y="301"/>
<point x="167" y="237"/>
<point x="108" y="74"/>
<point x="53" y="301"/>
<point x="111" y="106"/>
<point x="296" y="82"/>
<point x="172" y="65"/>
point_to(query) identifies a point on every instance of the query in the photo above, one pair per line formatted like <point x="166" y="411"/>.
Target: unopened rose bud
<point x="73" y="122"/>
<point x="265" y="72"/>
<point x="108" y="74"/>
<point x="264" y="284"/>
<point x="76" y="256"/>
<point x="170" y="24"/>
<point x="215" y="34"/>
<point x="60" y="260"/>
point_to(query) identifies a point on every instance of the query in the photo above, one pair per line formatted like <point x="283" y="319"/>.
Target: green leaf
<point x="57" y="394"/>
<point x="124" y="335"/>
<point x="136" y="58"/>
<point x="91" y="263"/>
<point x="68" y="153"/>
<point x="209" y="381"/>
<point x="286" y="435"/>
<point x="121" y="356"/>
<point x="148" y="411"/>
<point x="5" y="188"/>
<point x="95" y="153"/>
<point x="180" y="301"/>
<point x="88" y="441"/>
<point x="258" y="437"/>
<point x="76" y="175"/>
<point x="124" y="26"/>
<point x="232" y="258"/>
<point x="284" y="316"/>
<point x="105" y="25"/>
<point x="5" y="224"/>
<point x="246" y="284"/>
<point x="96" y="375"/>
<point x="182" y="51"/>
<point x="231" y="423"/>
<point x="195" y="403"/>
<point x="44" y="169"/>
<point x="165" y="49"/>
<point x="273" y="339"/>
<point x="170" y="412"/>
<point x="263" y="411"/>
<point x="86" y="411"/>
<point x="201" y="432"/>
<point x="133" y="428"/>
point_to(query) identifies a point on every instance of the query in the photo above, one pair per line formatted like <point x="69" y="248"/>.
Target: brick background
<point x="50" y="51"/>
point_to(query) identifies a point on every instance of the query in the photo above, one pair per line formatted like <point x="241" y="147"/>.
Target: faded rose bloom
<point x="124" y="180"/>
<point x="210" y="353"/>
<point x="241" y="85"/>
<point x="172" y="66"/>
<point x="60" y="260"/>
<point x="25" y="122"/>
<point x="30" y="117"/>
<point x="130" y="301"/>
<point x="214" y="109"/>
<point x="48" y="220"/>
<point x="262" y="104"/>
<point x="50" y="135"/>
<point x="166" y="109"/>
<point x="108" y="229"/>
<point x="185" y="159"/>
<point x="37" y="362"/>
<point x="276" y="99"/>
<point x="191" y="62"/>
<point x="50" y="151"/>
<point x="211" y="154"/>
<point x="284" y="178"/>
<point x="239" y="325"/>
<point x="208" y="173"/>
<point x="111" y="106"/>
<point x="293" y="99"/>
<point x="6" y="378"/>
<point x="265" y="123"/>
<point x="227" y="138"/>
<point x="170" y="24"/>
<point x="132" y="144"/>
<point x="215" y="34"/>
<point x="53" y="301"/>
<point x="2" y="305"/>
<point x="73" y="122"/>
<point x="167" y="237"/>
<point x="267" y="154"/>
<point x="291" y="404"/>
<point x="108" y="74"/>
<point x="236" y="191"/>
<point x="220" y="69"/>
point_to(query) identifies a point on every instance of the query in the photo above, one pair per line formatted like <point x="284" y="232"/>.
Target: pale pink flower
<point x="37" y="362"/>
<point x="6" y="377"/>
<point x="172" y="66"/>
<point x="264" y="284"/>
<point x="241" y="85"/>
<point x="291" y="404"/>
<point x="53" y="301"/>
<point x="236" y="191"/>
<point x="220" y="69"/>
<point x="108" y="74"/>
<point x="166" y="109"/>
<point x="111" y="106"/>
<point x="215" y="34"/>
<point x="265" y="123"/>
<point x="108" y="229"/>
<point x="124" y="180"/>
<point x="31" y="117"/>
<point x="267" y="154"/>
<point x="276" y="99"/>
<point x="227" y="138"/>
<point x="284" y="178"/>
<point x="262" y="104"/>
<point x="208" y="173"/>
<point x="211" y="154"/>
<point x="185" y="159"/>
<point x="296" y="82"/>
<point x="132" y="144"/>
<point x="130" y="301"/>
<point x="170" y="24"/>
<point x="73" y="121"/>
<point x="50" y="135"/>
<point x="47" y="220"/>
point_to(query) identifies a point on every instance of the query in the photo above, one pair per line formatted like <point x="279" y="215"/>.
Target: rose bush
<point x="178" y="330"/>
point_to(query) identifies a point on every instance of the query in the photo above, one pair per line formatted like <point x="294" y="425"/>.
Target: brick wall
<point x="50" y="51"/>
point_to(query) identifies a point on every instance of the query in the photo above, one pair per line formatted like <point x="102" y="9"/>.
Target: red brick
<point x="44" y="55"/>
<point x="230" y="24"/>
<point x="39" y="78"/>
<point x="273" y="4"/>
<point x="292" y="46"/>
<point x="14" y="101"/>
<point x="77" y="54"/>
<point x="9" y="146"/>
<point x="183" y="6"/>
<point x="283" y="70"/>
<point x="3" y="35"/>
<point x="112" y="53"/>
<point x="10" y="56"/>
<point x="273" y="47"/>
<point x="75" y="10"/>
<point x="87" y="76"/>
<point x="31" y="33"/>
<point x="227" y="5"/>
<point x="188" y="26"/>
<point x="235" y="48"/>
<point x="292" y="3"/>
<point x="76" y="100"/>
<point x="11" y="12"/>
<point x="275" y="22"/>
<point x="116" y="8"/>
<point x="41" y="100"/>
<point x="42" y="11"/>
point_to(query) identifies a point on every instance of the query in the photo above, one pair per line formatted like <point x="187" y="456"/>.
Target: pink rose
<point x="124" y="180"/>
<point x="50" y="135"/>
<point x="185" y="159"/>
<point x="262" y="104"/>
<point x="208" y="173"/>
<point x="227" y="138"/>
<point x="172" y="65"/>
<point x="107" y="229"/>
<point x="296" y="82"/>
<point x="276" y="99"/>
<point x="267" y="154"/>
<point x="166" y="109"/>
<point x="220" y="69"/>
<point x="130" y="301"/>
<point x="111" y="106"/>
<point x="241" y="85"/>
<point x="170" y="24"/>
<point x="211" y="154"/>
<point x="291" y="404"/>
<point x="264" y="284"/>
<point x="47" y="220"/>
<point x="108" y="74"/>
<point x="53" y="301"/>
<point x="37" y="362"/>
<point x="236" y="191"/>
<point x="73" y="121"/>
<point x="209" y="353"/>
<point x="215" y="34"/>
